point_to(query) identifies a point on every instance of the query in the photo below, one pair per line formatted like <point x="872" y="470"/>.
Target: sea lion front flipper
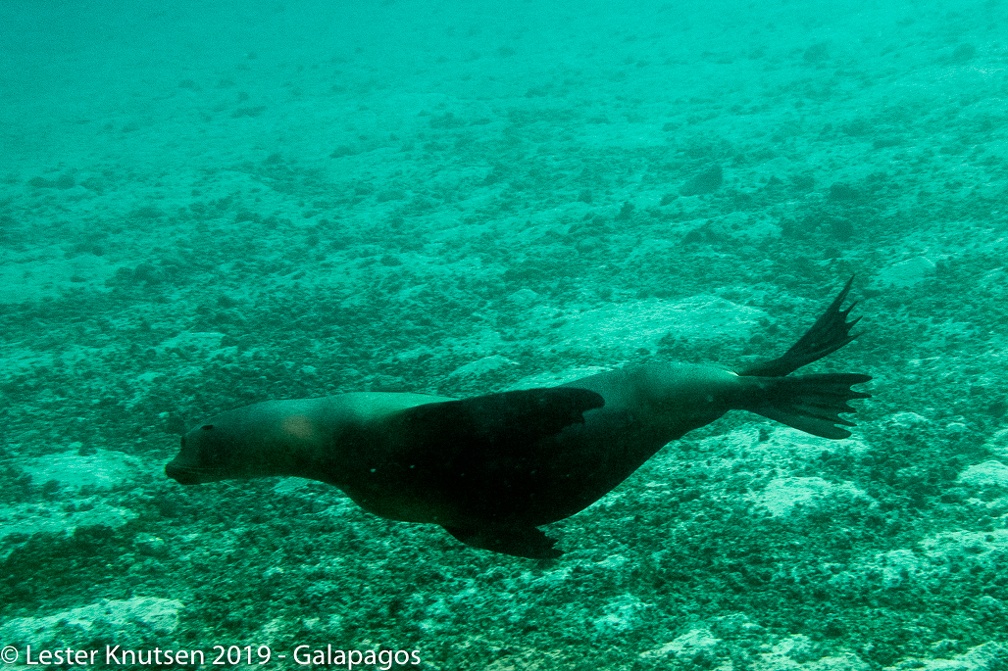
<point x="517" y="541"/>
<point x="502" y="422"/>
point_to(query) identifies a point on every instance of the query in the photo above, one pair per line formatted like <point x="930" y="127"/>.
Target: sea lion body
<point x="372" y="448"/>
<point x="491" y="469"/>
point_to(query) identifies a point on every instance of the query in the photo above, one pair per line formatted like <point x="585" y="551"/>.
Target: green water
<point x="207" y="205"/>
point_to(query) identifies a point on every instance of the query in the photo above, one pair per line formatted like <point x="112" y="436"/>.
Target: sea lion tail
<point x="811" y="403"/>
<point x="829" y="333"/>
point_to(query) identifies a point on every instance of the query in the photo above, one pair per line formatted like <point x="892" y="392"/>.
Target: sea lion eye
<point x="206" y="427"/>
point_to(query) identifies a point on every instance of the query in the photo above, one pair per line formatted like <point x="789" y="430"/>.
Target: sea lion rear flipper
<point x="829" y="333"/>
<point x="811" y="403"/>
<point x="517" y="541"/>
<point x="502" y="422"/>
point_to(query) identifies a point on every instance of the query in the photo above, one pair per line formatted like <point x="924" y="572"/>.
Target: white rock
<point x="102" y="469"/>
<point x="147" y="613"/>
<point x="781" y="495"/>
<point x="988" y="474"/>
<point x="482" y="366"/>
<point x="907" y="273"/>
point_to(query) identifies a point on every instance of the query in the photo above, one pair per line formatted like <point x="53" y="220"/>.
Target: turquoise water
<point x="207" y="205"/>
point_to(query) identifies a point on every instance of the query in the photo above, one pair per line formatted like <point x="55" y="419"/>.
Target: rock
<point x="706" y="181"/>
<point x="907" y="273"/>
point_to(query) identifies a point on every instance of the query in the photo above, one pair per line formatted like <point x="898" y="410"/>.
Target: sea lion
<point x="491" y="469"/>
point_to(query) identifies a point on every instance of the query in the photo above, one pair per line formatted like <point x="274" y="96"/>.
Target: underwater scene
<point x="587" y="336"/>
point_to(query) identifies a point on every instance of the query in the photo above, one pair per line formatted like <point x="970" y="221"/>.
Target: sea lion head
<point x="233" y="445"/>
<point x="208" y="453"/>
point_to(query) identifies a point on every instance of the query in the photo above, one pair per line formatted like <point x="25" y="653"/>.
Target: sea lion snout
<point x="177" y="471"/>
<point x="181" y="474"/>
